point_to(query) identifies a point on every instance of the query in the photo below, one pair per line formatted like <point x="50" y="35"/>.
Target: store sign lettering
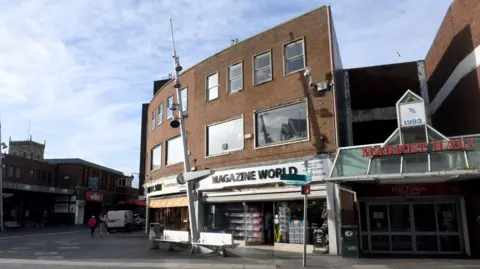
<point x="409" y="190"/>
<point x="254" y="175"/>
<point x="458" y="144"/>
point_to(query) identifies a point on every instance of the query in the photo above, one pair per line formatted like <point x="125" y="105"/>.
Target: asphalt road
<point x="78" y="250"/>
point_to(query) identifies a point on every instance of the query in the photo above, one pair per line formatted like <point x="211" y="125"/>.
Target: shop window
<point x="235" y="78"/>
<point x="282" y="125"/>
<point x="18" y="172"/>
<point x="169" y="105"/>
<point x="262" y="68"/>
<point x="225" y="137"/>
<point x="212" y="87"/>
<point x="174" y="149"/>
<point x="294" y="55"/>
<point x="156" y="158"/>
<point x="184" y="96"/>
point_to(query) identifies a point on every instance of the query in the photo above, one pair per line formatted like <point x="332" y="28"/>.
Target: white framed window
<point x="153" y="119"/>
<point x="294" y="55"/>
<point x="156" y="158"/>
<point x="282" y="125"/>
<point x="160" y="114"/>
<point x="169" y="105"/>
<point x="174" y="149"/>
<point x="212" y="87"/>
<point x="224" y="137"/>
<point x="235" y="77"/>
<point x="262" y="68"/>
<point x="184" y="96"/>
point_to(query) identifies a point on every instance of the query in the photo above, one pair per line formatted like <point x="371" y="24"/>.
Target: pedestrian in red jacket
<point x="92" y="223"/>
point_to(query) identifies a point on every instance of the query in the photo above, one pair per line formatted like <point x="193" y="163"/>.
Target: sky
<point x="75" y="73"/>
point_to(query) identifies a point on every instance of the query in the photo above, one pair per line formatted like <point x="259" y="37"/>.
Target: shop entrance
<point x="414" y="227"/>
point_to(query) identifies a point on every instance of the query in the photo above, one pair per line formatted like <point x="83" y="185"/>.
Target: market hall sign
<point x="458" y="144"/>
<point x="254" y="175"/>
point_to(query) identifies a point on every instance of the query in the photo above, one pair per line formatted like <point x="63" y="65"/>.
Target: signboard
<point x="94" y="196"/>
<point x="293" y="179"/>
<point x="93" y="183"/>
<point x="412" y="114"/>
<point x="254" y="175"/>
<point x="444" y="145"/>
<point x="168" y="186"/>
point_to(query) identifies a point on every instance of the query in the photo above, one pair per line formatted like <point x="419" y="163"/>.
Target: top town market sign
<point x="425" y="147"/>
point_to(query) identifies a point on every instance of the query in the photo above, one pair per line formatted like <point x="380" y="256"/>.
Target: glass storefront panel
<point x="417" y="163"/>
<point x="174" y="218"/>
<point x="226" y="218"/>
<point x="442" y="161"/>
<point x="350" y="162"/>
<point x="385" y="165"/>
<point x="474" y="155"/>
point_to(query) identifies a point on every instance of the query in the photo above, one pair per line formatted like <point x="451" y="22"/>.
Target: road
<point x="77" y="250"/>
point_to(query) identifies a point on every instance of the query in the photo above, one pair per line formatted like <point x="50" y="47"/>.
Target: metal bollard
<point x="154" y="234"/>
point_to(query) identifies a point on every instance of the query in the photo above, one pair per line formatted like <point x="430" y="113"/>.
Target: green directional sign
<point x="293" y="177"/>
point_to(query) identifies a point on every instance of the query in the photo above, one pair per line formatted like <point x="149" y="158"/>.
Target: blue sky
<point x="79" y="70"/>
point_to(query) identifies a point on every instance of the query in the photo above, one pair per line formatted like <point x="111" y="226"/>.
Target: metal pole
<point x="1" y="181"/>
<point x="305" y="201"/>
<point x="147" y="215"/>
<point x="305" y="205"/>
<point x="186" y="163"/>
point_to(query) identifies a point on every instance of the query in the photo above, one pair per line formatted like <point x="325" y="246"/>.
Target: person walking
<point x="92" y="223"/>
<point x="103" y="225"/>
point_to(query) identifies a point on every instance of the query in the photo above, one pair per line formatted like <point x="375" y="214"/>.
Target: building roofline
<point x="381" y="65"/>
<point x="81" y="161"/>
<point x="240" y="42"/>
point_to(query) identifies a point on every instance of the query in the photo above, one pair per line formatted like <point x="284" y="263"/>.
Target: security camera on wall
<point x="175" y="122"/>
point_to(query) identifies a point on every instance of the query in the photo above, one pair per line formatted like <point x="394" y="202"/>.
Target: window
<point x="156" y="161"/>
<point x="281" y="125"/>
<point x="18" y="172"/>
<point x="235" y="77"/>
<point x="225" y="137"/>
<point x="212" y="87"/>
<point x="169" y="105"/>
<point x="153" y="119"/>
<point x="184" y="96"/>
<point x="174" y="151"/>
<point x="294" y="55"/>
<point x="10" y="170"/>
<point x="262" y="68"/>
<point x="160" y="113"/>
<point x="4" y="171"/>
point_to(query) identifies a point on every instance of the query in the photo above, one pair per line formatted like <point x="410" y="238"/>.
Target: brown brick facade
<point x="313" y="28"/>
<point x="458" y="36"/>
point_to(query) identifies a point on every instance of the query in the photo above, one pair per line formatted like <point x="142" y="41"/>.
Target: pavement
<point x="76" y="249"/>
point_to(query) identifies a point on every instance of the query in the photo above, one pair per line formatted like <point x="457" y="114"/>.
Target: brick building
<point x="408" y="170"/>
<point x="251" y="115"/>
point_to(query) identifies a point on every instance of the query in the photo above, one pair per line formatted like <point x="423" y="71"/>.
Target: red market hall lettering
<point x="457" y="144"/>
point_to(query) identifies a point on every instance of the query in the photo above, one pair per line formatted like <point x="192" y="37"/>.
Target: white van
<point x="120" y="220"/>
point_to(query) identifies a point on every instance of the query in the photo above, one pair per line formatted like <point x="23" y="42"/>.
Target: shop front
<point x="408" y="194"/>
<point x="256" y="206"/>
<point x="167" y="204"/>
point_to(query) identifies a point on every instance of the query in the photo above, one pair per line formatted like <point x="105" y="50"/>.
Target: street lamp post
<point x="175" y="123"/>
<point x="2" y="147"/>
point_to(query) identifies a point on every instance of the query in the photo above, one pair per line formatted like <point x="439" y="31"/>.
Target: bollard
<point x="153" y="234"/>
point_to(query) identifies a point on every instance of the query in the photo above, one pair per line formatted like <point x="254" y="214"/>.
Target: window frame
<point x="285" y="59"/>
<point x="241" y="116"/>
<point x="229" y="91"/>
<point x="184" y="106"/>
<point x="161" y="157"/>
<point x="153" y="122"/>
<point x="283" y="105"/>
<point x="166" y="150"/>
<point x="269" y="52"/>
<point x="167" y="107"/>
<point x="207" y="89"/>
<point x="160" y="114"/>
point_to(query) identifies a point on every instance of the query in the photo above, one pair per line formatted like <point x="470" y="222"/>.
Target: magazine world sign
<point x="435" y="146"/>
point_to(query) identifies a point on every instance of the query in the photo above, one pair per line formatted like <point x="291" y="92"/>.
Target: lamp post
<point x="179" y="122"/>
<point x="2" y="147"/>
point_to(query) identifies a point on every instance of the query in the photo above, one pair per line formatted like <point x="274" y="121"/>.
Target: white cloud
<point x="81" y="69"/>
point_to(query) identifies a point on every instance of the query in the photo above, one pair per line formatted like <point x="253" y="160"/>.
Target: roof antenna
<point x="29" y="137"/>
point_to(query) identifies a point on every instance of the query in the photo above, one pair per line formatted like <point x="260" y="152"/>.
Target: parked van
<point x="120" y="220"/>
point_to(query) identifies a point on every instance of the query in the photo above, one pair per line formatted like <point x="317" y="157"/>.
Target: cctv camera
<point x="307" y="73"/>
<point x="175" y="123"/>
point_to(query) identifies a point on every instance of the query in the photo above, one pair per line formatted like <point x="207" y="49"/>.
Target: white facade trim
<point x="467" y="65"/>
